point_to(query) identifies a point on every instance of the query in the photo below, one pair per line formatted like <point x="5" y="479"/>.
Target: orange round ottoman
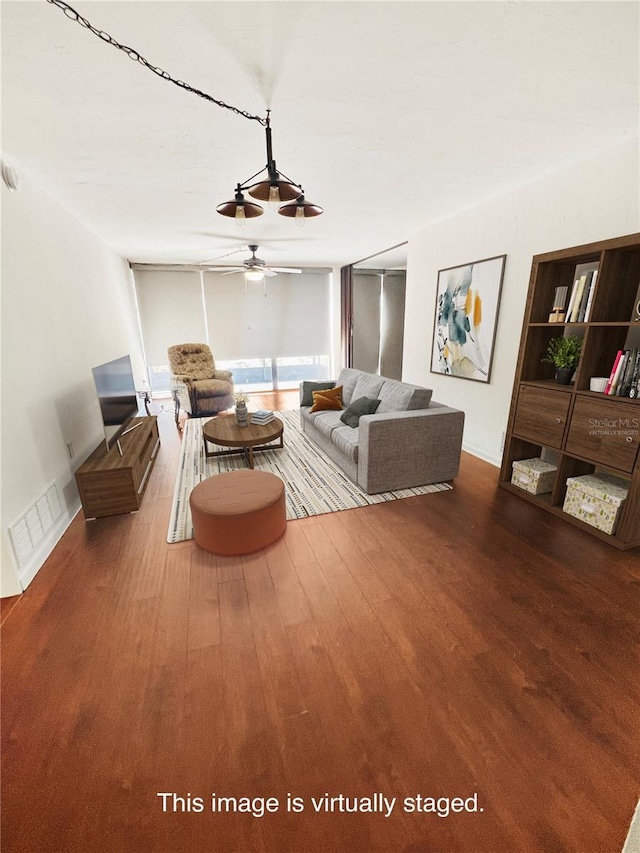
<point x="238" y="512"/>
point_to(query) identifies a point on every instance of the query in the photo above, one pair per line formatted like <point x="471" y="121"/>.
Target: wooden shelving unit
<point x="111" y="484"/>
<point x="562" y="421"/>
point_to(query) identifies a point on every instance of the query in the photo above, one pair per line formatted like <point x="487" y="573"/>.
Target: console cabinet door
<point x="541" y="415"/>
<point x="605" y="431"/>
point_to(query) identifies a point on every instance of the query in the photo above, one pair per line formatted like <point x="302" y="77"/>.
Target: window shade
<point x="292" y="319"/>
<point x="171" y="312"/>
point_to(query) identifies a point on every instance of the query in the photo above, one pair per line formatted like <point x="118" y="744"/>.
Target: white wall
<point x="66" y="306"/>
<point x="592" y="200"/>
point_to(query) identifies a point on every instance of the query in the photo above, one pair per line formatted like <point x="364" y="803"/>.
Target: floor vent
<point x="32" y="528"/>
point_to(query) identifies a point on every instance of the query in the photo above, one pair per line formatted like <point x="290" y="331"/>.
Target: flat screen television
<point x="117" y="396"/>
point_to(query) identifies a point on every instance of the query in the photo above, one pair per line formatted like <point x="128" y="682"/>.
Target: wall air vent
<point x="33" y="526"/>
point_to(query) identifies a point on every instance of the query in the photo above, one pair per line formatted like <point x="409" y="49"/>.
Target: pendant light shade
<point x="239" y="209"/>
<point x="300" y="209"/>
<point x="275" y="191"/>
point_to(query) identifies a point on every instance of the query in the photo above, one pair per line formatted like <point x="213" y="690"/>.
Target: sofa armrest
<point x="223" y="374"/>
<point x="398" y="450"/>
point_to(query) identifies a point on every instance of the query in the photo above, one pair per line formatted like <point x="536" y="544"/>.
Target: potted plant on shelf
<point x="564" y="353"/>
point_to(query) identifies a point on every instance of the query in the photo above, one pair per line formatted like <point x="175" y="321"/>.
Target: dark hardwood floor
<point x="452" y="645"/>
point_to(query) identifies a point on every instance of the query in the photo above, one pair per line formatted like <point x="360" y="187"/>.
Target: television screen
<point x="116" y="394"/>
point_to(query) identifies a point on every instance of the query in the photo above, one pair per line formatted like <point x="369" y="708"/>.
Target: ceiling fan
<point x="254" y="268"/>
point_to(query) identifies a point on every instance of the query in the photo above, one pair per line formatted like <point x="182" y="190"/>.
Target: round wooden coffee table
<point x="224" y="431"/>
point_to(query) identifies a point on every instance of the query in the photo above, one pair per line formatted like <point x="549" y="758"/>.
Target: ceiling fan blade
<point x="269" y="271"/>
<point x="285" y="269"/>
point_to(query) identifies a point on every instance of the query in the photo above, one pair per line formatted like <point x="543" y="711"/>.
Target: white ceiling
<point x="390" y="114"/>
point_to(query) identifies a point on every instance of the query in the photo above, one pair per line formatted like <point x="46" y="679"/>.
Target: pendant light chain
<point x="133" y="54"/>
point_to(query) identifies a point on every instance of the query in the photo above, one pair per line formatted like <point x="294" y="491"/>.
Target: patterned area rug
<point x="313" y="484"/>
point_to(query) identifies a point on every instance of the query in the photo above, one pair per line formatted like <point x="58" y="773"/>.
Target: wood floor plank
<point x="292" y="601"/>
<point x="204" y="607"/>
<point x="443" y="645"/>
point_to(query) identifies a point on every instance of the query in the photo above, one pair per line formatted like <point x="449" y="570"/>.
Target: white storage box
<point x="534" y="475"/>
<point x="596" y="499"/>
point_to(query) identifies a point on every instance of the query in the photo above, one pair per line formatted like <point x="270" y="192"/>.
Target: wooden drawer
<point x="605" y="431"/>
<point x="541" y="415"/>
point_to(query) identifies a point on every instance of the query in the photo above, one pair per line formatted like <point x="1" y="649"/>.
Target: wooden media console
<point x="113" y="484"/>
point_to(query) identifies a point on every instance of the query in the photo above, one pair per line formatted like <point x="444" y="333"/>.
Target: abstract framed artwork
<point x="467" y="303"/>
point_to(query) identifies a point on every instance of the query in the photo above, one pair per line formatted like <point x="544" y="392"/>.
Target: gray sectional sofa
<point x="409" y="441"/>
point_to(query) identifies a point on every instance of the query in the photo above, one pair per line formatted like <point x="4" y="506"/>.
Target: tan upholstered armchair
<point x="198" y="387"/>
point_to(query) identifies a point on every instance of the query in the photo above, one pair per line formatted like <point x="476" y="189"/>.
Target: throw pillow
<point x="362" y="406"/>
<point x="328" y="400"/>
<point x="309" y="387"/>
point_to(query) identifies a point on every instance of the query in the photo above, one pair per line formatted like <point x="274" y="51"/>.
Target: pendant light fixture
<point x="275" y="188"/>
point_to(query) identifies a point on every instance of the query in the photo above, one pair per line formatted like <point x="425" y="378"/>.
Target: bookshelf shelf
<point x="548" y="418"/>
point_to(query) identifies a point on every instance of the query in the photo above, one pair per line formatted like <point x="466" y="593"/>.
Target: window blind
<point x="171" y="311"/>
<point x="237" y="320"/>
<point x="289" y="316"/>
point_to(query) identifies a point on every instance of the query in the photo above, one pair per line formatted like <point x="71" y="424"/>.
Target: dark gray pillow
<point x="309" y="387"/>
<point x="362" y="406"/>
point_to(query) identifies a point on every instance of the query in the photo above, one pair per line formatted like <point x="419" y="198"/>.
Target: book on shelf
<point x="575" y="311"/>
<point x="614" y="369"/>
<point x="582" y="309"/>
<point x="581" y="298"/>
<point x="616" y="385"/>
<point x="592" y="287"/>
<point x="634" y="388"/>
<point x="572" y="300"/>
<point x="625" y="374"/>
<point x="624" y="386"/>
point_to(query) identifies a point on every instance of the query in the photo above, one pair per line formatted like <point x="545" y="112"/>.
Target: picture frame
<point x="466" y="319"/>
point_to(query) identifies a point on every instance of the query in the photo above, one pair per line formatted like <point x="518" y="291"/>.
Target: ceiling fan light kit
<point x="254" y="268"/>
<point x="275" y="189"/>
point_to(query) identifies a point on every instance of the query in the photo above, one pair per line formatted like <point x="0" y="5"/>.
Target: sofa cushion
<point x="368" y="385"/>
<point x="309" y="387"/>
<point x="348" y="377"/>
<point x="401" y="397"/>
<point x="346" y="440"/>
<point x="206" y="388"/>
<point x="326" y="422"/>
<point x="362" y="406"/>
<point x="329" y="399"/>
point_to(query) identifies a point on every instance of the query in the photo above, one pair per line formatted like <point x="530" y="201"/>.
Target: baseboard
<point x="491" y="458"/>
<point x="30" y="569"/>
